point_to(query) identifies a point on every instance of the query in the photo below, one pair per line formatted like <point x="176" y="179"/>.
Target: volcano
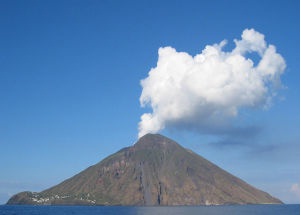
<point x="154" y="171"/>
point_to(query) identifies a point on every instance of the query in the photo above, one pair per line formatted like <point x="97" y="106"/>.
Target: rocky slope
<point x="154" y="171"/>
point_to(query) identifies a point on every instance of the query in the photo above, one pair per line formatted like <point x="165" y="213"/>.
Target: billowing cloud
<point x="207" y="90"/>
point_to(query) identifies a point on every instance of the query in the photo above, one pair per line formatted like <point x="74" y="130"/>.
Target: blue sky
<point x="70" y="75"/>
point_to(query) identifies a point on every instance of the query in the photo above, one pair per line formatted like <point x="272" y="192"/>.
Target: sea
<point x="291" y="209"/>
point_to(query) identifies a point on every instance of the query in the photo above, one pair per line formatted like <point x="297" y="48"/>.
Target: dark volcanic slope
<point x="155" y="171"/>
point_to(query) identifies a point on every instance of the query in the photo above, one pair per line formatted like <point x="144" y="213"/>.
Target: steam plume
<point x="210" y="88"/>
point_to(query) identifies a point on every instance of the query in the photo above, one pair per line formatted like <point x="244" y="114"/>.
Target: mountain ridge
<point x="154" y="171"/>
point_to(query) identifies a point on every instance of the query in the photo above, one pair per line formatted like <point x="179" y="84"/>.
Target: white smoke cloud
<point x="208" y="89"/>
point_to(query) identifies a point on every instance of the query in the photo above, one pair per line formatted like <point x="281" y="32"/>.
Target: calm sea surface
<point x="206" y="210"/>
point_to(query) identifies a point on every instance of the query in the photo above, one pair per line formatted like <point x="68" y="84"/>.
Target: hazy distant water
<point x="201" y="210"/>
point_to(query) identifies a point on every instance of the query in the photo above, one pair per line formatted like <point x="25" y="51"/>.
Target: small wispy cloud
<point x="204" y="92"/>
<point x="295" y="189"/>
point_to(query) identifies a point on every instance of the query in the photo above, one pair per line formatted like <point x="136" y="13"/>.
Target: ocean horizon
<point x="281" y="209"/>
